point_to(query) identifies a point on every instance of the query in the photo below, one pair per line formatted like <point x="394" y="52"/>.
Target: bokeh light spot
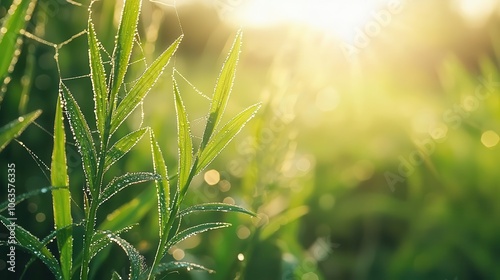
<point x="490" y="139"/>
<point x="212" y="177"/>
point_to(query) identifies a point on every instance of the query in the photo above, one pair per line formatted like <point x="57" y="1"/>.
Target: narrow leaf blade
<point x="98" y="78"/>
<point x="10" y="36"/>
<point x="61" y="197"/>
<point x="19" y="198"/>
<point x="224" y="136"/>
<point x="129" y="179"/>
<point x="194" y="231"/>
<point x="137" y="264"/>
<point x="184" y="140"/>
<point x="13" y="129"/>
<point x="222" y="89"/>
<point x="141" y="88"/>
<point x="124" y="43"/>
<point x="162" y="185"/>
<point x="177" y="266"/>
<point x="32" y="245"/>
<point x="123" y="146"/>
<point x="81" y="133"/>
<point x="216" y="207"/>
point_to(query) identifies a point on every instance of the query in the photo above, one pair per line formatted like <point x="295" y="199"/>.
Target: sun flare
<point x="340" y="18"/>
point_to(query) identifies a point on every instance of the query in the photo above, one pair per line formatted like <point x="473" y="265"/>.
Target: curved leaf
<point x="20" y="198"/>
<point x="32" y="245"/>
<point x="129" y="179"/>
<point x="83" y="138"/>
<point x="194" y="231"/>
<point x="16" y="127"/>
<point x="176" y="266"/>
<point x="224" y="136"/>
<point x="222" y="89"/>
<point x="215" y="207"/>
<point x="137" y="264"/>
<point x="141" y="88"/>
<point x="123" y="146"/>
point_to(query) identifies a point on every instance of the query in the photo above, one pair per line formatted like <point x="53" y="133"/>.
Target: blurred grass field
<point x="375" y="155"/>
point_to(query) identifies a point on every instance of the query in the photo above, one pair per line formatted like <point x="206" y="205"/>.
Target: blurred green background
<point x="375" y="155"/>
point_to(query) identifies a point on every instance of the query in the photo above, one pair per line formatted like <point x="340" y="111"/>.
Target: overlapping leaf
<point x="222" y="89"/>
<point x="162" y="185"/>
<point x="81" y="133"/>
<point x="61" y="197"/>
<point x="140" y="89"/>
<point x="220" y="140"/>
<point x="31" y="244"/>
<point x="192" y="231"/>
<point x="129" y="179"/>
<point x="184" y="140"/>
<point x="123" y="146"/>
<point x="215" y="207"/>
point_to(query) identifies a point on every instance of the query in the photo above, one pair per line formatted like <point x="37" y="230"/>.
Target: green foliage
<point x="113" y="104"/>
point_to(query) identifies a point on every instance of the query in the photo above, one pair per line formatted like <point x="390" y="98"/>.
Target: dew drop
<point x="241" y="257"/>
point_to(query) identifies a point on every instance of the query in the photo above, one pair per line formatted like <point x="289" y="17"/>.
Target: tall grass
<point x="113" y="104"/>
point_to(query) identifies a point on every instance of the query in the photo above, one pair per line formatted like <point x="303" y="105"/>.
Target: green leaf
<point x="15" y="128"/>
<point x="81" y="133"/>
<point x="129" y="179"/>
<point x="141" y="88"/>
<point x="131" y="212"/>
<point x="100" y="240"/>
<point x="137" y="264"/>
<point x="61" y="197"/>
<point x="19" y="198"/>
<point x="123" y="146"/>
<point x="216" y="207"/>
<point x="224" y="136"/>
<point x="98" y="78"/>
<point x="116" y="276"/>
<point x="192" y="231"/>
<point x="124" y="43"/>
<point x="45" y="241"/>
<point x="32" y="245"/>
<point x="283" y="219"/>
<point x="184" y="140"/>
<point x="162" y="185"/>
<point x="10" y="36"/>
<point x="222" y="89"/>
<point x="176" y="266"/>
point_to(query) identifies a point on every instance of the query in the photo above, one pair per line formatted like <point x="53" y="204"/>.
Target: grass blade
<point x="123" y="146"/>
<point x="162" y="185"/>
<point x="224" y="136"/>
<point x="192" y="231"/>
<point x="32" y="245"/>
<point x="83" y="138"/>
<point x="177" y="266"/>
<point x="216" y="207"/>
<point x="61" y="197"/>
<point x="24" y="196"/>
<point x="137" y="265"/>
<point x="129" y="179"/>
<point x="10" y="38"/>
<point x="283" y="219"/>
<point x="131" y="212"/>
<point x="98" y="78"/>
<point x="222" y="89"/>
<point x="142" y="86"/>
<point x="116" y="276"/>
<point x="184" y="140"/>
<point x="124" y="43"/>
<point x="100" y="240"/>
<point x="16" y="127"/>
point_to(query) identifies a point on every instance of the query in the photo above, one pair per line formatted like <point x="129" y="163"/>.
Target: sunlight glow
<point x="342" y="18"/>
